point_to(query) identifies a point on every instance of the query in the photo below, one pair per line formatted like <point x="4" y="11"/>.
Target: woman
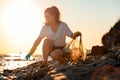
<point x="54" y="31"/>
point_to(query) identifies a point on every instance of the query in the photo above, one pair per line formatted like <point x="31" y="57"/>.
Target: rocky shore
<point x="104" y="66"/>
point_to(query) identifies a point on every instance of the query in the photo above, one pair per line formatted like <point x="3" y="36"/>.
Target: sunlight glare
<point x="22" y="21"/>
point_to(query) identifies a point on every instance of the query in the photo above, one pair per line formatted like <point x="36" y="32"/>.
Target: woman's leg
<point x="47" y="48"/>
<point x="58" y="56"/>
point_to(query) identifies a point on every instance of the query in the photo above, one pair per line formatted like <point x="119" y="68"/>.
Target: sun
<point x="22" y="21"/>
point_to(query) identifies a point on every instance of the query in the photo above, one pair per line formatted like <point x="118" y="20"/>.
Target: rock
<point x="40" y="73"/>
<point x="7" y="72"/>
<point x="79" y="71"/>
<point x="111" y="39"/>
<point x="106" y="72"/>
<point x="98" y="50"/>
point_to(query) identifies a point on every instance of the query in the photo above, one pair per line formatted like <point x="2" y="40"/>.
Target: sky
<point x="21" y="21"/>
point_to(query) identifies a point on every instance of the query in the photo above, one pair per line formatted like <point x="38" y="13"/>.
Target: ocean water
<point x="16" y="61"/>
<point x="13" y="64"/>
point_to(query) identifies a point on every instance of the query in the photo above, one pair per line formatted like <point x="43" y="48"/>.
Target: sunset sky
<point x="21" y="21"/>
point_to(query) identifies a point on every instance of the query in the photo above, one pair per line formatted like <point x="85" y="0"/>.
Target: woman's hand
<point x="76" y="34"/>
<point x="27" y="57"/>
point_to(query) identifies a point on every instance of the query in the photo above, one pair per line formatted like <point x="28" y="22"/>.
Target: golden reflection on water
<point x="16" y="61"/>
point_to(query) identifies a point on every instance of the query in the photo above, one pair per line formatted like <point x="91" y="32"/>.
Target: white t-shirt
<point x="59" y="36"/>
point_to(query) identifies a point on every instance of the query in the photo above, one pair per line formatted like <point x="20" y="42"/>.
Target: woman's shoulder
<point x="45" y="27"/>
<point x="63" y="23"/>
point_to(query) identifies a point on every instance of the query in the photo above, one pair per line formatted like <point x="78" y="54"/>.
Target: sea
<point x="13" y="61"/>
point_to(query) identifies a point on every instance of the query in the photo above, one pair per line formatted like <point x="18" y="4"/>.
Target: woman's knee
<point x="47" y="46"/>
<point x="47" y="41"/>
<point x="56" y="54"/>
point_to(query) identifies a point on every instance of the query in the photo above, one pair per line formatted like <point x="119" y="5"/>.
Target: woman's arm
<point x="36" y="43"/>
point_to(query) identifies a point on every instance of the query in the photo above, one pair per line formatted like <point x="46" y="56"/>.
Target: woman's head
<point x="52" y="13"/>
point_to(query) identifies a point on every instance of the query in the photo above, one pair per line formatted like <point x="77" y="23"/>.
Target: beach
<point x="15" y="61"/>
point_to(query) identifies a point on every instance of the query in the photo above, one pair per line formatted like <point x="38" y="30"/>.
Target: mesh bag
<point x="74" y="50"/>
